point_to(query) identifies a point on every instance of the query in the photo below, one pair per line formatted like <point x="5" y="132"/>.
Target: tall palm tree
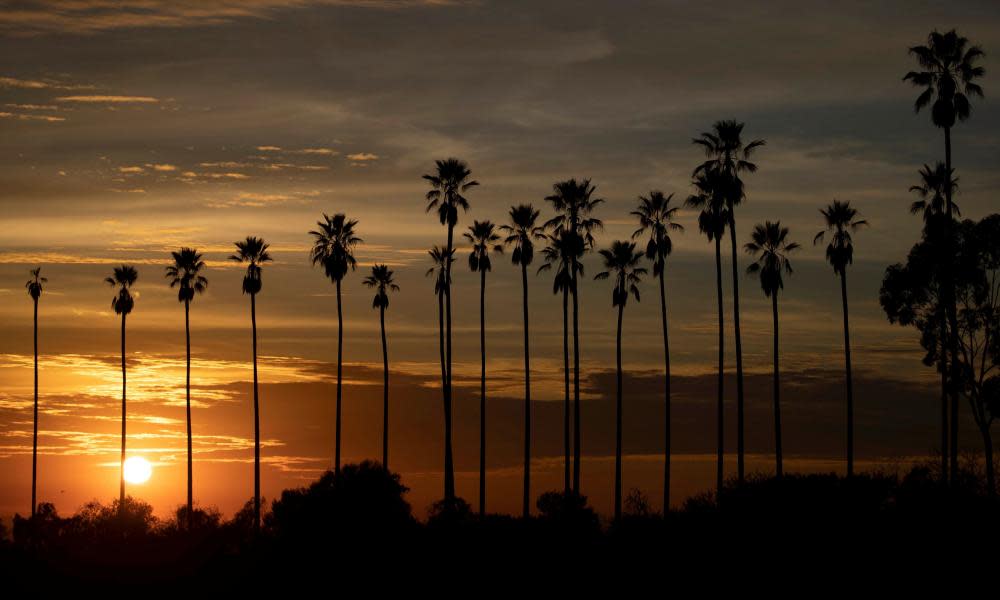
<point x="521" y="233"/>
<point x="947" y="76"/>
<point x="728" y="156"/>
<point x="333" y="248"/>
<point x="559" y="255"/>
<point x="381" y="279"/>
<point x="769" y="243"/>
<point x="656" y="216"/>
<point x="123" y="277"/>
<point x="253" y="252"/>
<point x="483" y="237"/>
<point x="841" y="221"/>
<point x="621" y="260"/>
<point x="574" y="201"/>
<point x="712" y="222"/>
<point x="34" y="286"/>
<point x="185" y="275"/>
<point x="441" y="260"/>
<point x="449" y="183"/>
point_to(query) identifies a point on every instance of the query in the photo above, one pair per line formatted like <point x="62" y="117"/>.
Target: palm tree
<point x="622" y="261"/>
<point x="656" y="216"/>
<point x="253" y="252"/>
<point x="441" y="260"/>
<point x="185" y="274"/>
<point x="841" y="221"/>
<point x="124" y="277"/>
<point x="333" y="248"/>
<point x="712" y="222"/>
<point x="559" y="254"/>
<point x="381" y="279"/>
<point x="947" y="76"/>
<point x="483" y="237"/>
<point x="34" y="286"/>
<point x="521" y="233"/>
<point x="574" y="201"/>
<point x="448" y="186"/>
<point x="769" y="243"/>
<point x="728" y="156"/>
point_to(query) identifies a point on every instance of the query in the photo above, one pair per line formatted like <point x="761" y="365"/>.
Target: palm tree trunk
<point x="618" y="418"/>
<point x="849" y="382"/>
<point x="566" y="417"/>
<point x="943" y="366"/>
<point x="340" y="350"/>
<point x="34" y="437"/>
<point x="449" y="465"/>
<point x="482" y="392"/>
<point x="740" y="467"/>
<point x="949" y="290"/>
<point x="385" y="392"/>
<point x="444" y="384"/>
<point x="121" y="496"/>
<point x="256" y="419"/>
<point x="187" y="385"/>
<point x="720" y="413"/>
<point x="777" y="389"/>
<point x="526" y="506"/>
<point x="576" y="384"/>
<point x="666" y="399"/>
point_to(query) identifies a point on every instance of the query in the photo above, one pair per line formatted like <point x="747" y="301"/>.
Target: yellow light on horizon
<point x="137" y="469"/>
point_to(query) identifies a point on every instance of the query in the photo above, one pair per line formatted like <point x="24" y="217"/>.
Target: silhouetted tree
<point x="656" y="217"/>
<point x="841" y="221"/>
<point x="622" y="261"/>
<point x="34" y="286"/>
<point x="253" y="252"/>
<point x="712" y="222"/>
<point x="449" y="183"/>
<point x="728" y="157"/>
<point x="574" y="202"/>
<point x="185" y="275"/>
<point x="124" y="277"/>
<point x="769" y="243"/>
<point x="381" y="279"/>
<point x="441" y="271"/>
<point x="521" y="233"/>
<point x="333" y="248"/>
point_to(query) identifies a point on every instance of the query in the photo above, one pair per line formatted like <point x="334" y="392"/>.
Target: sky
<point x="128" y="130"/>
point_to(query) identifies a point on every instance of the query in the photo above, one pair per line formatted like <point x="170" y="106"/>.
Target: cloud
<point x="24" y="117"/>
<point x="38" y="84"/>
<point x="269" y="148"/>
<point x="106" y="99"/>
<point x="163" y="168"/>
<point x="33" y="106"/>
<point x="362" y="156"/>
<point x="130" y="170"/>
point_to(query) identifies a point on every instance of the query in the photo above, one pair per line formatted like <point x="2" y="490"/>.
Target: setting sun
<point x="138" y="470"/>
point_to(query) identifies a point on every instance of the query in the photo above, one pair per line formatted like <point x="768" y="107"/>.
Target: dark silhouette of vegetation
<point x="381" y="280"/>
<point x="123" y="277"/>
<point x="34" y="286"/>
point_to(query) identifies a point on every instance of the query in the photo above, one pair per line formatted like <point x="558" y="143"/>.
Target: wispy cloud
<point x="26" y="117"/>
<point x="362" y="156"/>
<point x="109" y="99"/>
<point x="38" y="84"/>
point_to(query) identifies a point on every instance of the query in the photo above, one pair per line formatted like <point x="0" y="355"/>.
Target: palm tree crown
<point x="522" y="232"/>
<point x="447" y="186"/>
<point x="185" y="274"/>
<point x="841" y="221"/>
<point x="727" y="156"/>
<point x="334" y="245"/>
<point x="657" y="216"/>
<point x="933" y="191"/>
<point x="34" y="285"/>
<point x="709" y="200"/>
<point x="574" y="202"/>
<point x="771" y="247"/>
<point x="622" y="261"/>
<point x="559" y="254"/>
<point x="253" y="252"/>
<point x="948" y="75"/>
<point x="124" y="277"/>
<point x="484" y="237"/>
<point x="440" y="270"/>
<point x="381" y="279"/>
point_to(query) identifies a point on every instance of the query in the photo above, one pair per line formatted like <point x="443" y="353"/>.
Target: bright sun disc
<point x="137" y="470"/>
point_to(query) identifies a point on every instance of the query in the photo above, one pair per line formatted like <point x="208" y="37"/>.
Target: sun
<point x="137" y="470"/>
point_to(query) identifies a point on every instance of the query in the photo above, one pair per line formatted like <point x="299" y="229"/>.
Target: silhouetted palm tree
<point x="574" y="202"/>
<point x="728" y="156"/>
<point x="448" y="184"/>
<point x="841" y="221"/>
<point x="769" y="243"/>
<point x="656" y="216"/>
<point x="334" y="249"/>
<point x="34" y="286"/>
<point x="381" y="279"/>
<point x="483" y="237"/>
<point x="253" y="252"/>
<point x="622" y="261"/>
<point x="947" y="77"/>
<point x="124" y="277"/>
<point x="712" y="222"/>
<point x="185" y="274"/>
<point x="521" y="233"/>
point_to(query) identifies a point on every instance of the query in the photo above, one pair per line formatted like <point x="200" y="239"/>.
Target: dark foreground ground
<point x="354" y="534"/>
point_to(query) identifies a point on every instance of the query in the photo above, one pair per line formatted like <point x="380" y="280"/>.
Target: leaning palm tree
<point x="521" y="233"/>
<point x="381" y="279"/>
<point x="947" y="76"/>
<point x="333" y="248"/>
<point x="769" y="243"/>
<point x="727" y="157"/>
<point x="656" y="217"/>
<point x="253" y="252"/>
<point x="185" y="275"/>
<point x="123" y="277"/>
<point x="483" y="237"/>
<point x="574" y="201"/>
<point x="841" y="220"/>
<point x="34" y="286"/>
<point x="712" y="222"/>
<point x="449" y="183"/>
<point x="621" y="260"/>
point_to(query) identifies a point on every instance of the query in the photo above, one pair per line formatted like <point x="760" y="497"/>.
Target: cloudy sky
<point x="129" y="129"/>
